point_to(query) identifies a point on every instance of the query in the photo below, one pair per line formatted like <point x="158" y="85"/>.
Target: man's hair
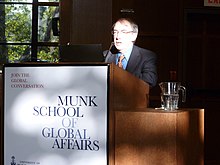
<point x="134" y="26"/>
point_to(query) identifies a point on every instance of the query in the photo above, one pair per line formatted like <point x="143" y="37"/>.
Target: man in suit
<point x="138" y="61"/>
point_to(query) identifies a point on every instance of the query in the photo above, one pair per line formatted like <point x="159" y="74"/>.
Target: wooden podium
<point x="127" y="93"/>
<point x="141" y="135"/>
<point x="145" y="136"/>
<point x="126" y="90"/>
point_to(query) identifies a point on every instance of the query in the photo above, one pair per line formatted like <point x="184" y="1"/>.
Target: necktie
<point x="120" y="58"/>
<point x="122" y="62"/>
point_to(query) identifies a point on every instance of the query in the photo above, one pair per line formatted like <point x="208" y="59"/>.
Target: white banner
<point x="55" y="115"/>
<point x="214" y="3"/>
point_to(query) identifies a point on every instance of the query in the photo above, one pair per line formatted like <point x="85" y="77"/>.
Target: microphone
<point x="107" y="52"/>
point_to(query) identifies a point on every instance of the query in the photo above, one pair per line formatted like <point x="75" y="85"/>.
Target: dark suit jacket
<point x="142" y="64"/>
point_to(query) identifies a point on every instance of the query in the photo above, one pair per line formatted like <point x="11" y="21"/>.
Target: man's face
<point x="123" y="36"/>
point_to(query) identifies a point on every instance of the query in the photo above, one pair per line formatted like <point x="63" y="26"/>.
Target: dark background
<point x="183" y="33"/>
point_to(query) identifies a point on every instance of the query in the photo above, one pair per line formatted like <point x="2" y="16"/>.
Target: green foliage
<point x="45" y="24"/>
<point x="18" y="23"/>
<point x="49" y="54"/>
<point x="17" y="52"/>
<point x="16" y="27"/>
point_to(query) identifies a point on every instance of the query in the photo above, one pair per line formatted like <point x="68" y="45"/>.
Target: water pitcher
<point x="170" y="94"/>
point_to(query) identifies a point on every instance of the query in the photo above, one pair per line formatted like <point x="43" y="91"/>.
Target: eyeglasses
<point x="115" y="32"/>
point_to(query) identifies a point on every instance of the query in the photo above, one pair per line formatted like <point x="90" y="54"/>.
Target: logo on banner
<point x="13" y="160"/>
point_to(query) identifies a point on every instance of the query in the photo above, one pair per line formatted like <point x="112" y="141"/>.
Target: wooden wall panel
<point x="65" y="23"/>
<point x="86" y="22"/>
<point x="157" y="17"/>
<point x="91" y="22"/>
<point x="213" y="62"/>
<point x="1" y="120"/>
<point x="194" y="57"/>
<point x="153" y="17"/>
<point x="193" y="4"/>
<point x="166" y="49"/>
<point x="201" y="69"/>
<point x="202" y="49"/>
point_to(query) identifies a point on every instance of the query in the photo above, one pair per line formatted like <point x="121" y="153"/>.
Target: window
<point x="26" y="30"/>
